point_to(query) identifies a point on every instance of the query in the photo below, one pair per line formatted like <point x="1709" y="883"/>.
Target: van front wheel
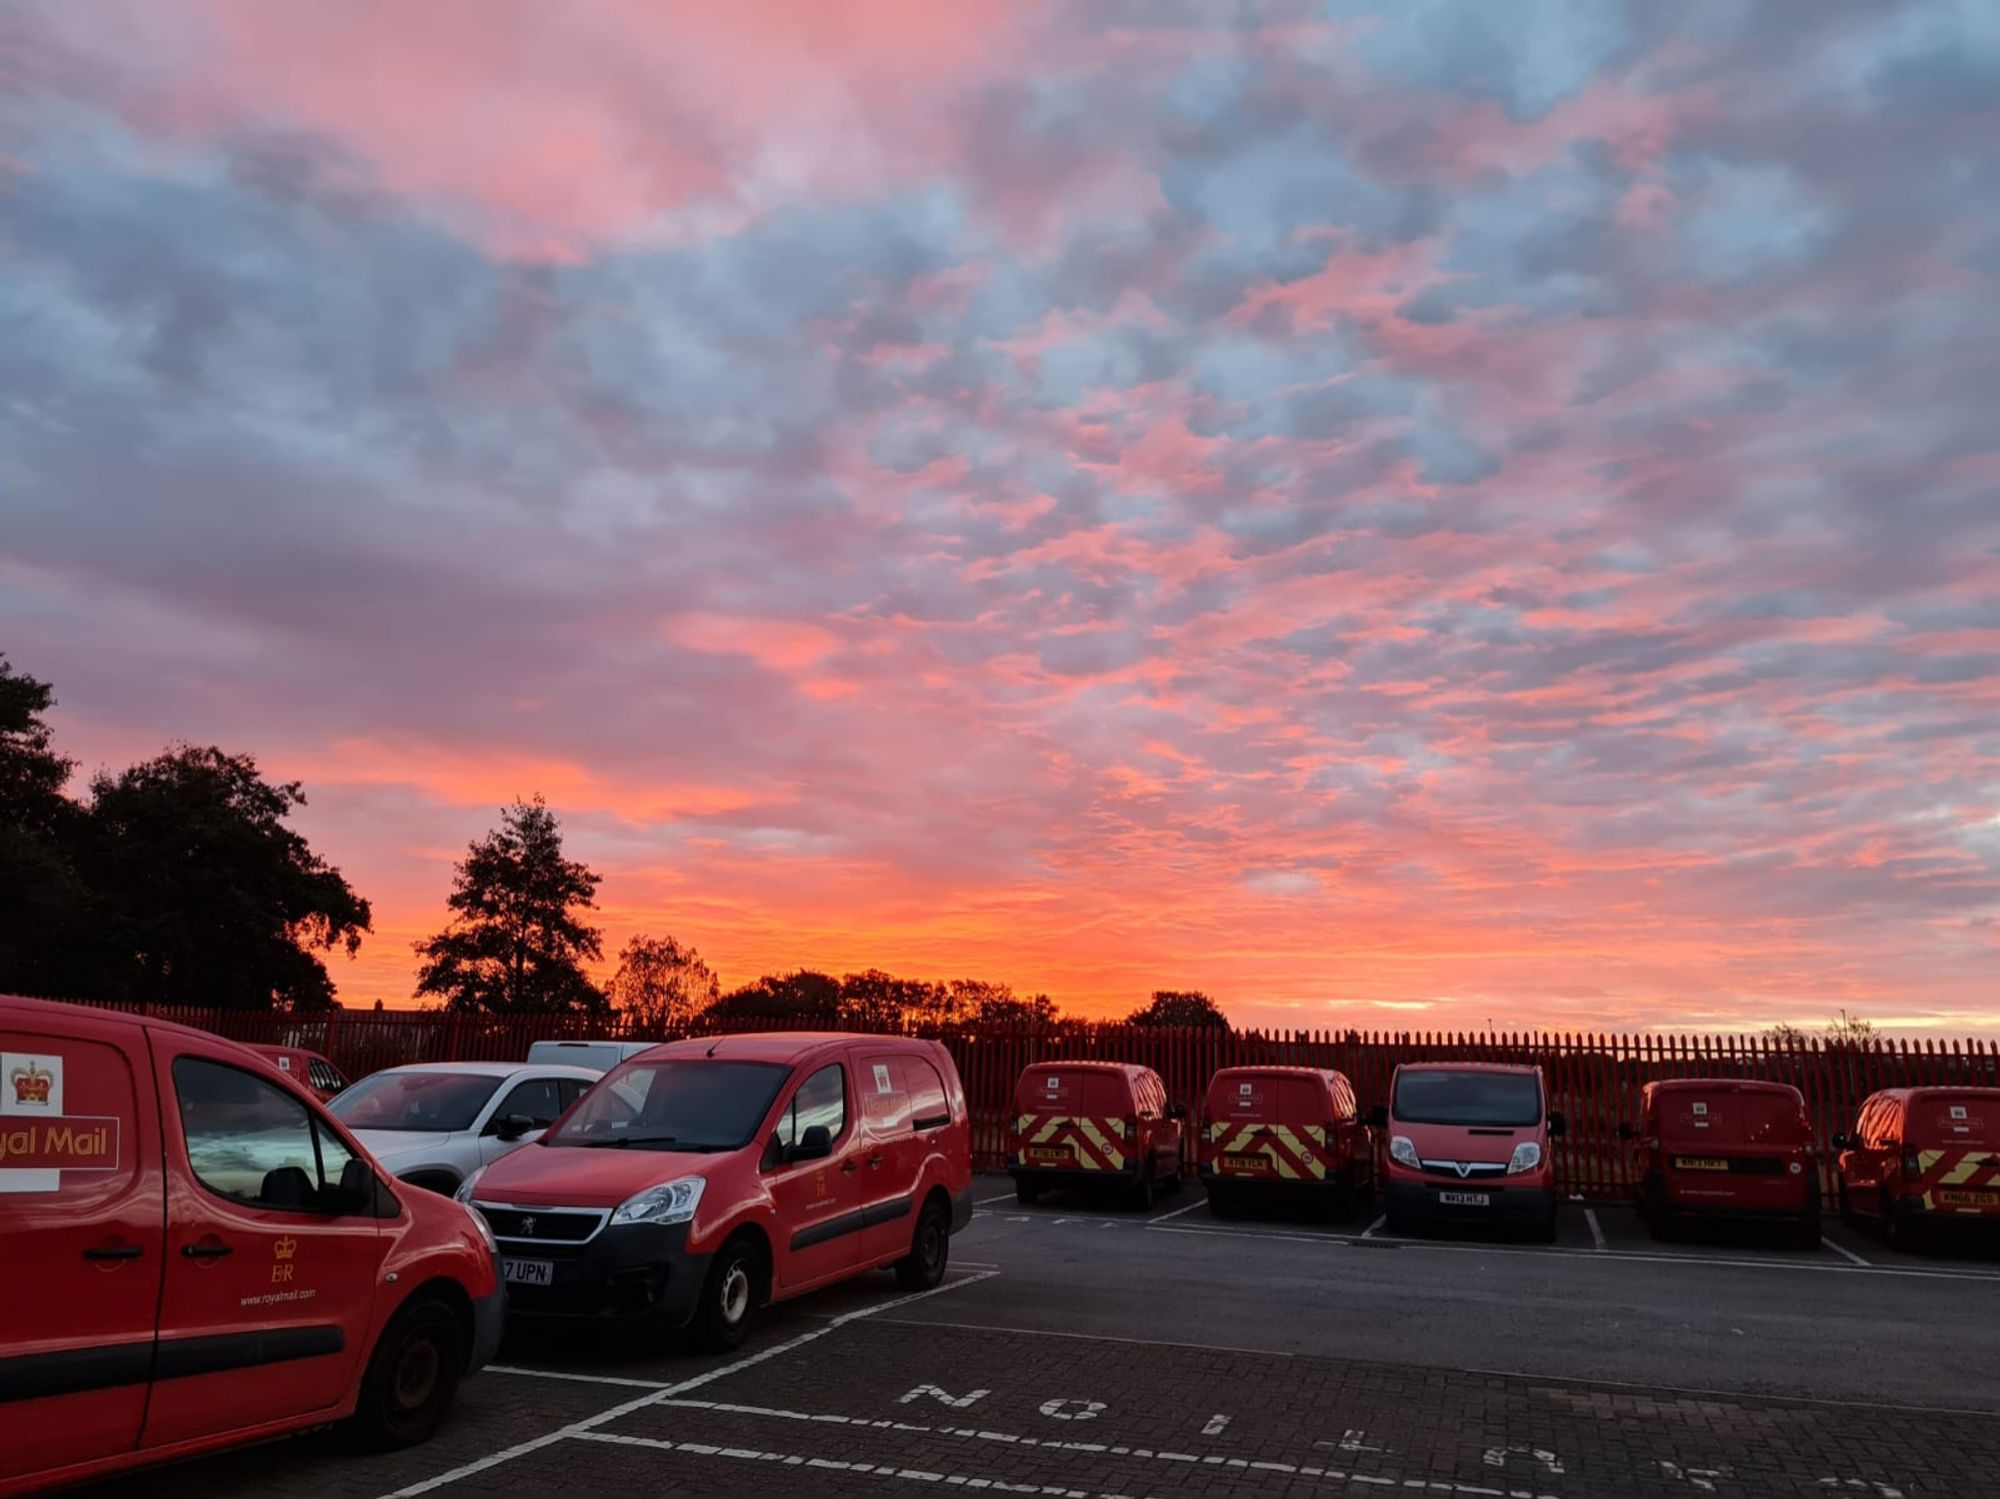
<point x="412" y="1378"/>
<point x="728" y="1298"/>
<point x="930" y="1251"/>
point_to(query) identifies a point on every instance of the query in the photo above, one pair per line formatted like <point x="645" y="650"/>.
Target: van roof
<point x="789" y="1047"/>
<point x="1275" y="1070"/>
<point x="1125" y="1068"/>
<point x="1721" y="1085"/>
<point x="1532" y="1069"/>
<point x="102" y="1016"/>
<point x="1911" y="1095"/>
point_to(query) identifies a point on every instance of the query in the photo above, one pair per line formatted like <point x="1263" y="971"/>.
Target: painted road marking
<point x="1198" y="1203"/>
<point x="1632" y="1256"/>
<point x="1596" y="1228"/>
<point x="1215" y="1425"/>
<point x="1086" y="1337"/>
<point x="591" y="1423"/>
<point x="1839" y="1248"/>
<point x="1376" y="1227"/>
<point x="1044" y="1444"/>
<point x="1003" y="1197"/>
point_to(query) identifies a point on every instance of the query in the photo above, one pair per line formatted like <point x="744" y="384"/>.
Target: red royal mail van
<point x="1725" y="1148"/>
<point x="1469" y="1142"/>
<point x="1094" y="1124"/>
<point x="308" y="1069"/>
<point x="1284" y="1133"/>
<point x="705" y="1178"/>
<point x="1921" y="1158"/>
<point x="198" y="1255"/>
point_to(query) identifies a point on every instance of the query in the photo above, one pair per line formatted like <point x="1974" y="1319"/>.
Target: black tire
<point x="1220" y="1203"/>
<point x="1175" y="1182"/>
<point x="1808" y="1233"/>
<point x="1545" y="1231"/>
<point x="1026" y="1192"/>
<point x="728" y="1302"/>
<point x="1662" y="1226"/>
<point x="1847" y="1214"/>
<point x="930" y="1250"/>
<point x="1901" y="1231"/>
<point x="412" y="1377"/>
<point x="1398" y="1225"/>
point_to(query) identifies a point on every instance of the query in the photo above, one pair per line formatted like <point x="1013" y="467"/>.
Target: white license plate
<point x="528" y="1272"/>
<point x="1464" y="1199"/>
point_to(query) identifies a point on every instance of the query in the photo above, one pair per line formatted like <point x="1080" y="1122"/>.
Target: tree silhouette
<point x="517" y="943"/>
<point x="204" y="895"/>
<point x="660" y="986"/>
<point x="805" y="998"/>
<point x="1180" y="1007"/>
<point x="43" y="902"/>
<point x="981" y="1003"/>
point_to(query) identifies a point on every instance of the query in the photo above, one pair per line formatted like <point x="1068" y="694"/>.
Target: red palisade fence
<point x="1594" y="1079"/>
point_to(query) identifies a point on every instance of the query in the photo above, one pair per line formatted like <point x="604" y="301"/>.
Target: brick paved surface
<point x="1345" y="1385"/>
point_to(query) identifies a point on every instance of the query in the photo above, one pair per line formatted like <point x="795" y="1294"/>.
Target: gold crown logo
<point x="285" y="1248"/>
<point x="31" y="1085"/>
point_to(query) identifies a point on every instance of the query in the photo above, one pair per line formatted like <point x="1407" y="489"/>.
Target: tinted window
<point x="253" y="1143"/>
<point x="929" y="1105"/>
<point x="431" y="1102"/>
<point x="572" y="1089"/>
<point x="692" y="1104"/>
<point x="821" y="1100"/>
<point x="537" y="1098"/>
<point x="1425" y="1096"/>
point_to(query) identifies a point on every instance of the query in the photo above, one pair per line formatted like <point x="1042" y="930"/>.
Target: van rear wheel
<point x="1027" y="1193"/>
<point x="1148" y="1183"/>
<point x="930" y="1250"/>
<point x="412" y="1377"/>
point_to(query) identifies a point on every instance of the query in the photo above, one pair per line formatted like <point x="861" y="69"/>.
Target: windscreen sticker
<point x="1054" y="1082"/>
<point x="284" y="1064"/>
<point x="1700" y="1108"/>
<point x="882" y="1083"/>
<point x="1958" y="1111"/>
<point x="1243" y="1089"/>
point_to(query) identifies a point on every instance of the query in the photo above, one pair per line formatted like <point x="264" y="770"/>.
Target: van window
<point x="1067" y="1091"/>
<point x="1950" y="1119"/>
<point x="324" y="1076"/>
<point x="930" y="1105"/>
<point x="1344" y="1106"/>
<point x="1441" y="1096"/>
<point x="538" y="1098"/>
<point x="821" y="1099"/>
<point x="691" y="1104"/>
<point x="254" y="1144"/>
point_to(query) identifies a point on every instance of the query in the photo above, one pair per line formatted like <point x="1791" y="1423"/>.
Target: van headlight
<point x="485" y="1229"/>
<point x="1527" y="1156"/>
<point x="673" y="1203"/>
<point x="1403" y="1151"/>
<point x="465" y="1188"/>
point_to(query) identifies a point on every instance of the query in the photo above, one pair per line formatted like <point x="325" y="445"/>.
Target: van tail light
<point x="1131" y="1124"/>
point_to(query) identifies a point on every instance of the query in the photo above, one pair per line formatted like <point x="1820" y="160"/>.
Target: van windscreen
<point x="1442" y="1096"/>
<point x="1948" y="1119"/>
<point x="679" y="1105"/>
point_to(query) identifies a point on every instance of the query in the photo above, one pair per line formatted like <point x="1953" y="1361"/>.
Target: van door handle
<point x="874" y="1160"/>
<point x="207" y="1249"/>
<point x="848" y="1168"/>
<point x="114" y="1252"/>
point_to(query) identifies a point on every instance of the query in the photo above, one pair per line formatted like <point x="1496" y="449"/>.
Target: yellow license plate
<point x="1049" y="1155"/>
<point x="1699" y="1163"/>
<point x="1954" y="1198"/>
<point x="1246" y="1163"/>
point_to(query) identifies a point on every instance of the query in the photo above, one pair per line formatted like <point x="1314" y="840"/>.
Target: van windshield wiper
<point x="620" y="1142"/>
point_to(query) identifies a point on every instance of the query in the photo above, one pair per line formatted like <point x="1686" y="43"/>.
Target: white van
<point x="599" y="1056"/>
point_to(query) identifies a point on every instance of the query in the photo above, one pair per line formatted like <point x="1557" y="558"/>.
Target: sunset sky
<point x="1396" y="515"/>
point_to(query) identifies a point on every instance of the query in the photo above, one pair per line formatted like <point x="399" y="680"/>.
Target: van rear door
<point x="1073" y="1119"/>
<point x="1955" y="1137"/>
<point x="82" y="1215"/>
<point x="1732" y="1146"/>
<point x="1269" y="1126"/>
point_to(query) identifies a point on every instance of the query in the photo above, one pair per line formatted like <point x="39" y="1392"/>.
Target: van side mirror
<point x="1378" y="1117"/>
<point x="356" y="1193"/>
<point x="816" y="1144"/>
<point x="1626" y="1132"/>
<point x="1558" y="1125"/>
<point x="1177" y="1111"/>
<point x="513" y="1126"/>
<point x="1840" y="1140"/>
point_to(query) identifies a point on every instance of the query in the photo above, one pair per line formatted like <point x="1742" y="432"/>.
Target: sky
<point x="1399" y="516"/>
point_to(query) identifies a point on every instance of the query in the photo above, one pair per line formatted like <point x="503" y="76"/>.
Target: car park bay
<point x="1165" y="1352"/>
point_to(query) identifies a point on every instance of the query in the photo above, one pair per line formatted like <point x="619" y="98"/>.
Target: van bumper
<point x="961" y="1210"/>
<point x="489" y="1320"/>
<point x="1420" y="1201"/>
<point x="1072" y="1176"/>
<point x="634" y="1273"/>
<point x="1336" y="1188"/>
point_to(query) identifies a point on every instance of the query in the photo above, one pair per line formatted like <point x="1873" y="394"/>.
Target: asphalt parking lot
<point x="1086" y="1349"/>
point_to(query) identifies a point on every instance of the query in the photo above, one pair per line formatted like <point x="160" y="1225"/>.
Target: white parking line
<point x="591" y="1423"/>
<point x="1838" y="1248"/>
<point x="1596" y="1228"/>
<point x="1003" y="1197"/>
<point x="1183" y="1461"/>
<point x="1376" y="1227"/>
<point x="1082" y="1337"/>
<point x="1199" y="1202"/>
